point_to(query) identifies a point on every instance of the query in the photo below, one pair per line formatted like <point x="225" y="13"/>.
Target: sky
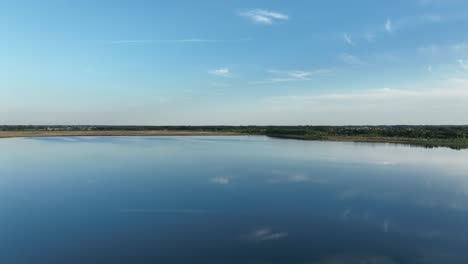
<point x="255" y="62"/>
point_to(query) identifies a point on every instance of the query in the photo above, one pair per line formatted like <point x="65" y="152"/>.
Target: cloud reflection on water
<point x="265" y="234"/>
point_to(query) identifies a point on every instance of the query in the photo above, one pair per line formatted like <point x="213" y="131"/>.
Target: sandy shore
<point x="12" y="134"/>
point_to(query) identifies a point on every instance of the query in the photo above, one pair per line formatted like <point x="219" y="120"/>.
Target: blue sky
<point x="234" y="62"/>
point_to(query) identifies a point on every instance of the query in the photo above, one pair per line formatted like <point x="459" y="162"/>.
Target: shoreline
<point x="110" y="133"/>
<point x="426" y="143"/>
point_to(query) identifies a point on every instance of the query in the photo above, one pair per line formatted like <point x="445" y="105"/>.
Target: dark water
<point x="230" y="200"/>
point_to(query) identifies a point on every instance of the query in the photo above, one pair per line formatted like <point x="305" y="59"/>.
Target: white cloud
<point x="302" y="74"/>
<point x="423" y="102"/>
<point x="388" y="25"/>
<point x="266" y="234"/>
<point x="220" y="180"/>
<point x="444" y="103"/>
<point x="292" y="75"/>
<point x="223" y="72"/>
<point x="348" y="39"/>
<point x="261" y="16"/>
<point x="463" y="64"/>
<point x="388" y="94"/>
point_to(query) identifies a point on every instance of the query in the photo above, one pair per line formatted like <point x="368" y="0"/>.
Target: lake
<point x="238" y="199"/>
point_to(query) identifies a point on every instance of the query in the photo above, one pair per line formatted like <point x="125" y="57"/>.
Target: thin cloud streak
<point x="348" y="39"/>
<point x="220" y="180"/>
<point x="292" y="76"/>
<point x="222" y="72"/>
<point x="418" y="21"/>
<point x="261" y="16"/>
<point x="393" y="25"/>
<point x="155" y="41"/>
<point x="266" y="234"/>
<point x="386" y="94"/>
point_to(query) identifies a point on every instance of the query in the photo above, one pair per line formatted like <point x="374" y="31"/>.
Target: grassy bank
<point x="427" y="143"/>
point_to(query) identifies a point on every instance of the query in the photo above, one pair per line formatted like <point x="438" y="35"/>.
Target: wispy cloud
<point x="220" y="180"/>
<point x="418" y="21"/>
<point x="388" y="94"/>
<point x="222" y="72"/>
<point x="389" y="25"/>
<point x="265" y="234"/>
<point x="261" y="16"/>
<point x="348" y="39"/>
<point x="188" y="40"/>
<point x="304" y="75"/>
<point x="459" y="49"/>
<point x="463" y="64"/>
<point x="393" y="105"/>
<point x="292" y="76"/>
<point x="447" y="58"/>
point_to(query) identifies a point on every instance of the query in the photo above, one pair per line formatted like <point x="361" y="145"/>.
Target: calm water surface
<point x="230" y="200"/>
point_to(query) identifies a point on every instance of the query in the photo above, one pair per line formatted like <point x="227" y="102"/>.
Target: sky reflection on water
<point x="230" y="200"/>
